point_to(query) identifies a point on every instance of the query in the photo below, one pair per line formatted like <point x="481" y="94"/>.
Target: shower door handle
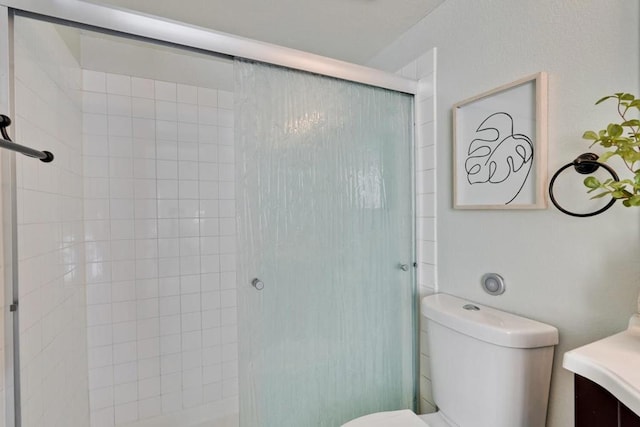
<point x="258" y="284"/>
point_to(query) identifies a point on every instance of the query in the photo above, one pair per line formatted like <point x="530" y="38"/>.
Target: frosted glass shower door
<point x="325" y="222"/>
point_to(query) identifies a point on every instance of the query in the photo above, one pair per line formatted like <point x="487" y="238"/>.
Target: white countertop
<point x="613" y="363"/>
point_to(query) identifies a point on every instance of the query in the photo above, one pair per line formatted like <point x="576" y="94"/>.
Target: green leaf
<point x="606" y="156"/>
<point x="601" y="195"/>
<point x="627" y="97"/>
<point x="590" y="135"/>
<point x="604" y="99"/>
<point x="633" y="122"/>
<point x="614" y="130"/>
<point x="591" y="182"/>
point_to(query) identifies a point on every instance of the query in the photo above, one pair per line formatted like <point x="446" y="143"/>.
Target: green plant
<point x="621" y="139"/>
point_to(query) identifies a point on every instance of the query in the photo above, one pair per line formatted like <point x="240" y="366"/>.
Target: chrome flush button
<point x="493" y="284"/>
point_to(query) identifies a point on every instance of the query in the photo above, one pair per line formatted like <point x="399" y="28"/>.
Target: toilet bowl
<point x="489" y="368"/>
<point x="404" y="418"/>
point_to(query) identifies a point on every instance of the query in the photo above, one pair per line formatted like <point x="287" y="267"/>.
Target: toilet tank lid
<point x="488" y="324"/>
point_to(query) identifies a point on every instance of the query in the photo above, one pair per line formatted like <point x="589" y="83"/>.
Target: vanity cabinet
<point x="596" y="407"/>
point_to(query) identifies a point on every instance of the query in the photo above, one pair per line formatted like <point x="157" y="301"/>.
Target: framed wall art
<point x="500" y="147"/>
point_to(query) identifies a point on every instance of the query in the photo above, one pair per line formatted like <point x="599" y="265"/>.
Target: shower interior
<point x="127" y="243"/>
<point x="139" y="210"/>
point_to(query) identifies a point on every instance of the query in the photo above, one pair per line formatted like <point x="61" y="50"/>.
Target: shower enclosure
<point x="183" y="174"/>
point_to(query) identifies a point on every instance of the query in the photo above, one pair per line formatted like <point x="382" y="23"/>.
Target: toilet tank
<point x="489" y="368"/>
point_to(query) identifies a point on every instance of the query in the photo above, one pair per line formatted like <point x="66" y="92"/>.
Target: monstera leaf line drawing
<point x="497" y="154"/>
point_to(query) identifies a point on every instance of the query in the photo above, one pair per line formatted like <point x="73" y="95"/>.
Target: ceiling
<point x="350" y="30"/>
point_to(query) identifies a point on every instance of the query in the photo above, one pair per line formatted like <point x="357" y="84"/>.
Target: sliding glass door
<point x="325" y="283"/>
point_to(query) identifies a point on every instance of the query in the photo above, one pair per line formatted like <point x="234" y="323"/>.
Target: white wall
<point x="581" y="275"/>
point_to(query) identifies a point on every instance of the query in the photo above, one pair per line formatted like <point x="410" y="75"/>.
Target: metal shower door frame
<point x="138" y="26"/>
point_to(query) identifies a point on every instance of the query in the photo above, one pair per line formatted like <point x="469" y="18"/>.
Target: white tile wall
<point x="50" y="230"/>
<point x="424" y="70"/>
<point x="160" y="230"/>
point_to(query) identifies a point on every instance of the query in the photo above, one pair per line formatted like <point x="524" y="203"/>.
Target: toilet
<point x="489" y="368"/>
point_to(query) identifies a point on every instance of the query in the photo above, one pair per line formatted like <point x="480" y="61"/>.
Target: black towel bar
<point x="6" y="142"/>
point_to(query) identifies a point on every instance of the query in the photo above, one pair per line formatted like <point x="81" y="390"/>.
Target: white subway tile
<point x="101" y="398"/>
<point x="118" y="84"/>
<point x="143" y="108"/>
<point x="187" y="113"/>
<point x="225" y="99"/>
<point x="211" y="337"/>
<point x="143" y="88"/>
<point x="207" y="116"/>
<point x="188" y="132"/>
<point x="146" y="228"/>
<point x="103" y="417"/>
<point x="124" y="311"/>
<point x="150" y="367"/>
<point x="151" y="407"/>
<point x="124" y="332"/>
<point x="169" y="305"/>
<point x="149" y="387"/>
<point x="192" y="396"/>
<point x="148" y="328"/>
<point x="212" y="392"/>
<point x="94" y="124"/>
<point x="170" y="325"/>
<point x="225" y="118"/>
<point x="211" y="319"/>
<point x="207" y="97"/>
<point x="126" y="413"/>
<point x="171" y="401"/>
<point x="143" y="128"/>
<point x="212" y="373"/>
<point x="187" y="94"/>
<point x="191" y="340"/>
<point x="100" y="377"/>
<point x="168" y="208"/>
<point x="165" y="91"/>
<point x="145" y="188"/>
<point x="125" y="372"/>
<point x="170" y="344"/>
<point x="169" y="267"/>
<point x="230" y="388"/>
<point x="207" y="134"/>
<point x="212" y="355"/>
<point x="125" y="352"/>
<point x="123" y="291"/>
<point x="167" y="130"/>
<point x="95" y="103"/>
<point x="191" y="322"/>
<point x="94" y="81"/>
<point x="119" y="105"/>
<point x="147" y="309"/>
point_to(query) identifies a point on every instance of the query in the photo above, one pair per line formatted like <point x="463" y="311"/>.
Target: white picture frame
<point x="500" y="147"/>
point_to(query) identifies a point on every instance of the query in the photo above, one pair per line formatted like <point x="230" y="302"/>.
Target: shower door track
<point x="189" y="36"/>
